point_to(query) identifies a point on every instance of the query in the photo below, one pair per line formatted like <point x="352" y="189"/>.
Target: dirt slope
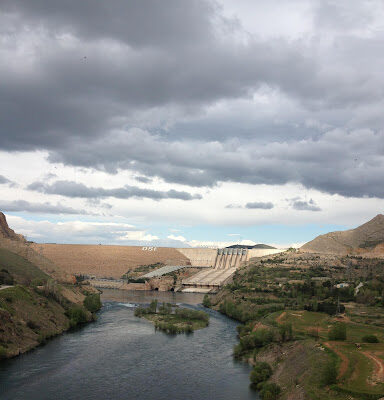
<point x="366" y="240"/>
<point x="106" y="261"/>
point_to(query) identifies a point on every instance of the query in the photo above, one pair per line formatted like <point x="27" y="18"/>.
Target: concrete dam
<point x="226" y="262"/>
<point x="112" y="262"/>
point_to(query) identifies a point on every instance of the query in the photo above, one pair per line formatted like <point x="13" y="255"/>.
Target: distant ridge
<point x="365" y="239"/>
<point x="256" y="246"/>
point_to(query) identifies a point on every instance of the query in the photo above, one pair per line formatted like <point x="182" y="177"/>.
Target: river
<point x="121" y="356"/>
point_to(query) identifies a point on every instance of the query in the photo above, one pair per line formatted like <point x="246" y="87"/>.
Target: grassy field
<point x="20" y="268"/>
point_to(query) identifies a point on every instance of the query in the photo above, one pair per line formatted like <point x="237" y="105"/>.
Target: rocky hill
<point x="6" y="232"/>
<point x="365" y="240"/>
<point x="34" y="305"/>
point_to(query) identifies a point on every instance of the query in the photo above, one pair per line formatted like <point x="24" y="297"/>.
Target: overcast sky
<point x="190" y="122"/>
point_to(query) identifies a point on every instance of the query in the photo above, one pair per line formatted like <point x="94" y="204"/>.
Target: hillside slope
<point x="364" y="240"/>
<point x="33" y="306"/>
<point x="16" y="243"/>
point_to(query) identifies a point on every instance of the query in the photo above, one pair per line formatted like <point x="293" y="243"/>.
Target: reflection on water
<point x="145" y="296"/>
<point x="122" y="357"/>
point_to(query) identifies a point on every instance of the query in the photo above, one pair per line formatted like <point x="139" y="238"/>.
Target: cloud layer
<point x="138" y="86"/>
<point x="74" y="189"/>
<point x="252" y="108"/>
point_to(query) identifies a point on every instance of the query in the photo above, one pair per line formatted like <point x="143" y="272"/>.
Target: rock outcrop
<point x="367" y="239"/>
<point x="6" y="232"/>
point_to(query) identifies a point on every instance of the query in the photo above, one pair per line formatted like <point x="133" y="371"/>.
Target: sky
<point x="190" y="122"/>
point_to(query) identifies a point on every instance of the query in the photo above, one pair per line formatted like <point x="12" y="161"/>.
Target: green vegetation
<point x="3" y="353"/>
<point x="206" y="301"/>
<point x="6" y="278"/>
<point x="270" y="391"/>
<point x="92" y="302"/>
<point x="31" y="314"/>
<point x="370" y="339"/>
<point x="19" y="268"/>
<point x="261" y="372"/>
<point x="338" y="332"/>
<point x="317" y="320"/>
<point x="329" y="373"/>
<point x="171" y="319"/>
<point x="77" y="315"/>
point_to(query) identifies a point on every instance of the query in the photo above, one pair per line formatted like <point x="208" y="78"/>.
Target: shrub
<point x="270" y="391"/>
<point x="260" y="373"/>
<point x="165" y="309"/>
<point x="286" y="332"/>
<point x="32" y="325"/>
<point x="92" y="302"/>
<point x="38" y="282"/>
<point x="338" y="332"/>
<point x="76" y="315"/>
<point x="6" y="278"/>
<point x="3" y="353"/>
<point x="153" y="306"/>
<point x="329" y="373"/>
<point x="192" y="314"/>
<point x="206" y="301"/>
<point x="370" y="339"/>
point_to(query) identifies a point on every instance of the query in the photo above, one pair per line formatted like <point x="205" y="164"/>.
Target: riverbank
<point x="29" y="316"/>
<point x="120" y="356"/>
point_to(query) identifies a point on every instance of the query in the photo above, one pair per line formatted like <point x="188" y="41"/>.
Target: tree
<point x="92" y="302"/>
<point x="286" y="332"/>
<point x="370" y="339"/>
<point x="329" y="373"/>
<point x="270" y="391"/>
<point x="260" y="373"/>
<point x="153" y="306"/>
<point x="206" y="301"/>
<point x="338" y="332"/>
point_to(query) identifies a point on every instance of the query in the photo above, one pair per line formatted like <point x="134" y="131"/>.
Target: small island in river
<point x="172" y="319"/>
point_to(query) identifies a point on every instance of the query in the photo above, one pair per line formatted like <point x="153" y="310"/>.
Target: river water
<point x="121" y="356"/>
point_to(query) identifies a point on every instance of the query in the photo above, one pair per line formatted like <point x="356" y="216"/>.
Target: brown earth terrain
<point x="366" y="240"/>
<point x="106" y="261"/>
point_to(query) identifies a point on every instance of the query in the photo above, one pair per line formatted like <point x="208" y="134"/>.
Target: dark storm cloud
<point x="136" y="22"/>
<point x="338" y="162"/>
<point x="44" y="208"/>
<point x="305" y="205"/>
<point x="80" y="78"/>
<point x="74" y="189"/>
<point x="260" y="205"/>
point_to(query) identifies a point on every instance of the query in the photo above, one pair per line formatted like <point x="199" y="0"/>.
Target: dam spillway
<point x="227" y="261"/>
